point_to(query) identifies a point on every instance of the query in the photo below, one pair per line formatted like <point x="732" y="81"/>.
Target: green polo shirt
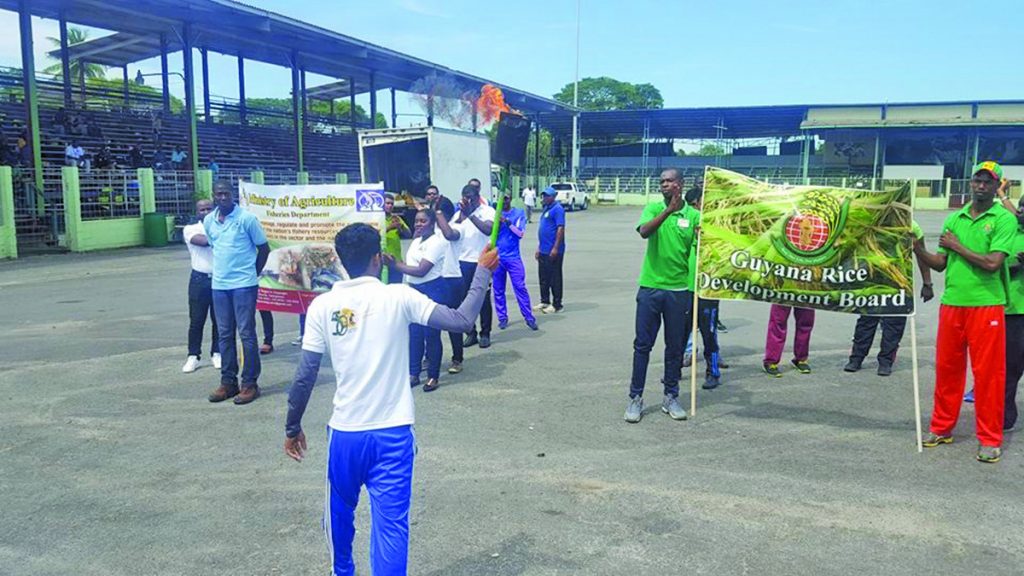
<point x="1015" y="304"/>
<point x="992" y="231"/>
<point x="667" y="260"/>
<point x="393" y="240"/>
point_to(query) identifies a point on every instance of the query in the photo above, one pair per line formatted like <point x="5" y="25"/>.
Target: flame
<point x="491" y="104"/>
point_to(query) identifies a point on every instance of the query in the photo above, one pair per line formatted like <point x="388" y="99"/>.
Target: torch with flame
<point x="491" y="104"/>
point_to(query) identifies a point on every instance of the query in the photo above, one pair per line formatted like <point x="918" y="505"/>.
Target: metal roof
<point x="233" y="28"/>
<point x="740" y="122"/>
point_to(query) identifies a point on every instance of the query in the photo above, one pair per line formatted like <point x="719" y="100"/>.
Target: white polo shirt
<point x="433" y="249"/>
<point x="363" y="325"/>
<point x="451" y="268"/>
<point x="202" y="256"/>
<point x="471" y="240"/>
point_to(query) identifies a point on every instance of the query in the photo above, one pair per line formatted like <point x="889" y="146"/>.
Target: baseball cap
<point x="549" y="191"/>
<point x="991" y="167"/>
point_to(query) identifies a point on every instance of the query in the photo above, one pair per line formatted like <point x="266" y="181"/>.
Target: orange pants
<point x="980" y="330"/>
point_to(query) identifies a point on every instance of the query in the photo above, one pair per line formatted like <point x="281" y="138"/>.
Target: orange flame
<point x="491" y="104"/>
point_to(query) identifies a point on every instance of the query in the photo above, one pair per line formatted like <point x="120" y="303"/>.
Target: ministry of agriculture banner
<point x="838" y="249"/>
<point x="300" y="223"/>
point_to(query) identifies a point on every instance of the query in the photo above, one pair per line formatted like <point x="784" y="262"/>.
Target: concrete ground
<point x="113" y="463"/>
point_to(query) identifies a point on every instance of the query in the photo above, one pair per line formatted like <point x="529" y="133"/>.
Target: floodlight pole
<point x="576" y="102"/>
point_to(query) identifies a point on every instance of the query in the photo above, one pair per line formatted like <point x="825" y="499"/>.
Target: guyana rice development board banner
<point x="836" y="249"/>
<point x="300" y="223"/>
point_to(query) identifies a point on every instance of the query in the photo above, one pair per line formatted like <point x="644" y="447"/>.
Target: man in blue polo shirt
<point x="551" y="252"/>
<point x="239" y="253"/>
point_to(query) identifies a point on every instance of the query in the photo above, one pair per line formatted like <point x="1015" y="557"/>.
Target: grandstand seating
<point x="236" y="148"/>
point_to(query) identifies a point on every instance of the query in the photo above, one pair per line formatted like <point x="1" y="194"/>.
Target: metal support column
<point x="352" y="101"/>
<point x="646" y="146"/>
<point x="206" y="85"/>
<point x="430" y="111"/>
<point x="28" y="72"/>
<point x="297" y="111"/>
<point x="190" y="95"/>
<point x="373" y="99"/>
<point x="805" y="157"/>
<point x="241" y="92"/>
<point x="394" y="113"/>
<point x="878" y="145"/>
<point x="302" y="93"/>
<point x="65" y="61"/>
<point x="536" y="155"/>
<point x="124" y="80"/>
<point x="164" y="80"/>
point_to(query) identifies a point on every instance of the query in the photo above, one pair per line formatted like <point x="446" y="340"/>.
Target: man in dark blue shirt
<point x="551" y="252"/>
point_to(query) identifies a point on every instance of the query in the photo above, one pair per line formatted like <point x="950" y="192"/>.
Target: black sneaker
<point x="485" y="341"/>
<point x="884" y="368"/>
<point x="853" y="365"/>
<point x="470" y="341"/>
<point x="802" y="366"/>
<point x="721" y="327"/>
<point x="772" y="370"/>
<point x="711" y="382"/>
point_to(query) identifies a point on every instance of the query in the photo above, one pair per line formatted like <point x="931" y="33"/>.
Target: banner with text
<point x="837" y="249"/>
<point x="300" y="223"/>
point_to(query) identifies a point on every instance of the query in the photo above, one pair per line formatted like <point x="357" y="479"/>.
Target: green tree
<point x="79" y="68"/>
<point x="712" y="150"/>
<point x="604" y="93"/>
<point x="284" y="106"/>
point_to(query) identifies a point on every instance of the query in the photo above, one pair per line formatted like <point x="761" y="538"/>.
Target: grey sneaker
<point x="687" y="360"/>
<point x="635" y="410"/>
<point x="989" y="454"/>
<point x="670" y="405"/>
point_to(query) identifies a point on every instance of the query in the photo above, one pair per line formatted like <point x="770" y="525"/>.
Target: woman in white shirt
<point x="423" y="267"/>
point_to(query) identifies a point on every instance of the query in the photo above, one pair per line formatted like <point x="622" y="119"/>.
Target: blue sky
<point x="709" y="53"/>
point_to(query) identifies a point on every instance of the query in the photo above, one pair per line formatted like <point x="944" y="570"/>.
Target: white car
<point x="571" y="196"/>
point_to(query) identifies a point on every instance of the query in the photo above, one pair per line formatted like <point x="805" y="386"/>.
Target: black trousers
<point x="654" y="306"/>
<point x="1014" y="366"/>
<point x="200" y="302"/>
<point x="456" y="293"/>
<point x="267" y="317"/>
<point x="549" y="271"/>
<point x="486" y="312"/>
<point x="864" y="335"/>
<point x="707" y="323"/>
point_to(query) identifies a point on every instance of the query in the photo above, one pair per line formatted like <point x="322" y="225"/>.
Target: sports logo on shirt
<point x="344" y="321"/>
<point x="369" y="201"/>
<point x="809" y="232"/>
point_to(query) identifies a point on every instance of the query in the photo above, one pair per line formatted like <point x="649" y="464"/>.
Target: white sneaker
<point x="549" y="309"/>
<point x="190" y="365"/>
<point x="539" y="306"/>
<point x="297" y="341"/>
<point x="215" y="360"/>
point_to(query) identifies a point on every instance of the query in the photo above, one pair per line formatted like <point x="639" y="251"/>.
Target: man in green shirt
<point x="1014" y="322"/>
<point x="665" y="294"/>
<point x="972" y="251"/>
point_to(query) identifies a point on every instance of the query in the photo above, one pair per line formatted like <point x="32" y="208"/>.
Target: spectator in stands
<point x="59" y="120"/>
<point x="550" y="252"/>
<point x="135" y="158"/>
<point x="972" y="251"/>
<point x="665" y="295"/>
<point x="214" y="168"/>
<point x="240" y="251"/>
<point x="178" y="157"/>
<point x="530" y="201"/>
<point x="200" y="291"/>
<point x="157" y="120"/>
<point x="73" y="154"/>
<point x="159" y="159"/>
<point x="104" y="159"/>
<point x="24" y="151"/>
<point x="93" y="128"/>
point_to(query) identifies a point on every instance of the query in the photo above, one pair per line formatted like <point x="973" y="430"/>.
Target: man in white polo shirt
<point x="200" y="291"/>
<point x="472" y="230"/>
<point x="370" y="437"/>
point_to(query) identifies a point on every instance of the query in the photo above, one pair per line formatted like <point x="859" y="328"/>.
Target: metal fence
<point x="38" y="213"/>
<point x="109" y="194"/>
<point x="175" y="193"/>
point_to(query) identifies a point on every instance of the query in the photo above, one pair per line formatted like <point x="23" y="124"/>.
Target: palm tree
<point x="79" y="68"/>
